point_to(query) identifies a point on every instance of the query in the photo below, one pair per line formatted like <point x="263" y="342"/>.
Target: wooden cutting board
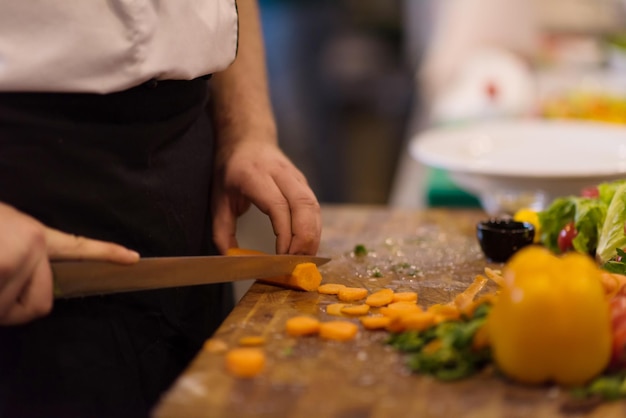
<point x="433" y="252"/>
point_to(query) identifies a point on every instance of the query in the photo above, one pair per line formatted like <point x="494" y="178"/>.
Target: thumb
<point x="62" y="246"/>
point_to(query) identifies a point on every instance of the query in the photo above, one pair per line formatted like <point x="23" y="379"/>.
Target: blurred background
<point x="353" y="81"/>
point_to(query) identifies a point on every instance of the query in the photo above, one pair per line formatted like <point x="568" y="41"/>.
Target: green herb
<point x="376" y="273"/>
<point x="453" y="356"/>
<point x="609" y="387"/>
<point x="616" y="265"/>
<point x="360" y="250"/>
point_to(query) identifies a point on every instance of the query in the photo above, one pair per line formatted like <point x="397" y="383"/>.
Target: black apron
<point x="133" y="168"/>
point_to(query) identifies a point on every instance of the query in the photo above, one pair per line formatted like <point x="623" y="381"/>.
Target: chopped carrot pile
<point x="245" y="362"/>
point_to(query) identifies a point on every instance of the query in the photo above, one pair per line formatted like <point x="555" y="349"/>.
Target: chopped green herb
<point x="377" y="273"/>
<point x="360" y="250"/>
<point x="609" y="387"/>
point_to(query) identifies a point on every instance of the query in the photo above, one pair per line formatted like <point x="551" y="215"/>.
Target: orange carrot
<point x="330" y="288"/>
<point x="352" y="294"/>
<point x="245" y="361"/>
<point x="399" y="308"/>
<point x="375" y="322"/>
<point x="335" y="309"/>
<point x="355" y="310"/>
<point x="380" y="298"/>
<point x="305" y="276"/>
<point x="302" y="325"/>
<point x="405" y="297"/>
<point x="215" y="346"/>
<point x="251" y="341"/>
<point x="338" y="330"/>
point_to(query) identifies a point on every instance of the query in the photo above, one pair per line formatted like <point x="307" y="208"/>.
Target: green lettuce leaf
<point x="606" y="191"/>
<point x="612" y="233"/>
<point x="587" y="214"/>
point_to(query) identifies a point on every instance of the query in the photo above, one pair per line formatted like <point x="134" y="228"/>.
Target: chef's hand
<point x="258" y="172"/>
<point x="26" y="246"/>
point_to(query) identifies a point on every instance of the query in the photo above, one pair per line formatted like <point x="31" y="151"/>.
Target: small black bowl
<point x="500" y="238"/>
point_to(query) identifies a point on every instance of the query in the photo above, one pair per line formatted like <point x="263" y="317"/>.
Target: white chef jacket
<point x="103" y="46"/>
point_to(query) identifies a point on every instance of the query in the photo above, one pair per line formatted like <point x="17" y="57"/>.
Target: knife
<point x="86" y="278"/>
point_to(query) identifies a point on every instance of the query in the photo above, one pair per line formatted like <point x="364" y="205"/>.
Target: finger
<point x="273" y="203"/>
<point x="306" y="226"/>
<point x="224" y="226"/>
<point x="35" y="299"/>
<point x="62" y="246"/>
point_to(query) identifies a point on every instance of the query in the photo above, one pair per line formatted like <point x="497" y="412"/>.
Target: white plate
<point x="515" y="163"/>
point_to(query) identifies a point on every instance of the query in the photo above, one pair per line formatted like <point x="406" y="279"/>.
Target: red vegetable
<point x="590" y="192"/>
<point x="566" y="236"/>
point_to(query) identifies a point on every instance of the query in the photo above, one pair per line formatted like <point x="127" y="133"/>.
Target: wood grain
<point x="432" y="252"/>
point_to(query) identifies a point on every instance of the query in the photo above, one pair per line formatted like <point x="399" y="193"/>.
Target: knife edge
<point x="87" y="278"/>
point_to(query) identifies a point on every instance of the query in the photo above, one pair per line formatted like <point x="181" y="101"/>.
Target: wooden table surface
<point x="433" y="252"/>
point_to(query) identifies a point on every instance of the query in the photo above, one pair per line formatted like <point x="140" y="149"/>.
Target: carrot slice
<point x="252" y="341"/>
<point x="330" y="288"/>
<point x="215" y="346"/>
<point x="335" y="309"/>
<point x="418" y="321"/>
<point x="399" y="308"/>
<point x="338" y="330"/>
<point x="245" y="361"/>
<point x="375" y="322"/>
<point x="356" y="310"/>
<point x="352" y="294"/>
<point x="302" y="325"/>
<point x="380" y="298"/>
<point x="405" y="297"/>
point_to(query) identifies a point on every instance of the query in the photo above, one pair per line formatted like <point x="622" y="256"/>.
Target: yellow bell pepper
<point x="551" y="321"/>
<point x="531" y="216"/>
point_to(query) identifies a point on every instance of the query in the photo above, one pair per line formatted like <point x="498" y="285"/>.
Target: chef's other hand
<point x="258" y="172"/>
<point x="25" y="276"/>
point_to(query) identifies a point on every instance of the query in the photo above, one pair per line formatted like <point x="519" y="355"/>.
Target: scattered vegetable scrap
<point x="245" y="362"/>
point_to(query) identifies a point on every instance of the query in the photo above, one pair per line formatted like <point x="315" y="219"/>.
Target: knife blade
<point x="86" y="278"/>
